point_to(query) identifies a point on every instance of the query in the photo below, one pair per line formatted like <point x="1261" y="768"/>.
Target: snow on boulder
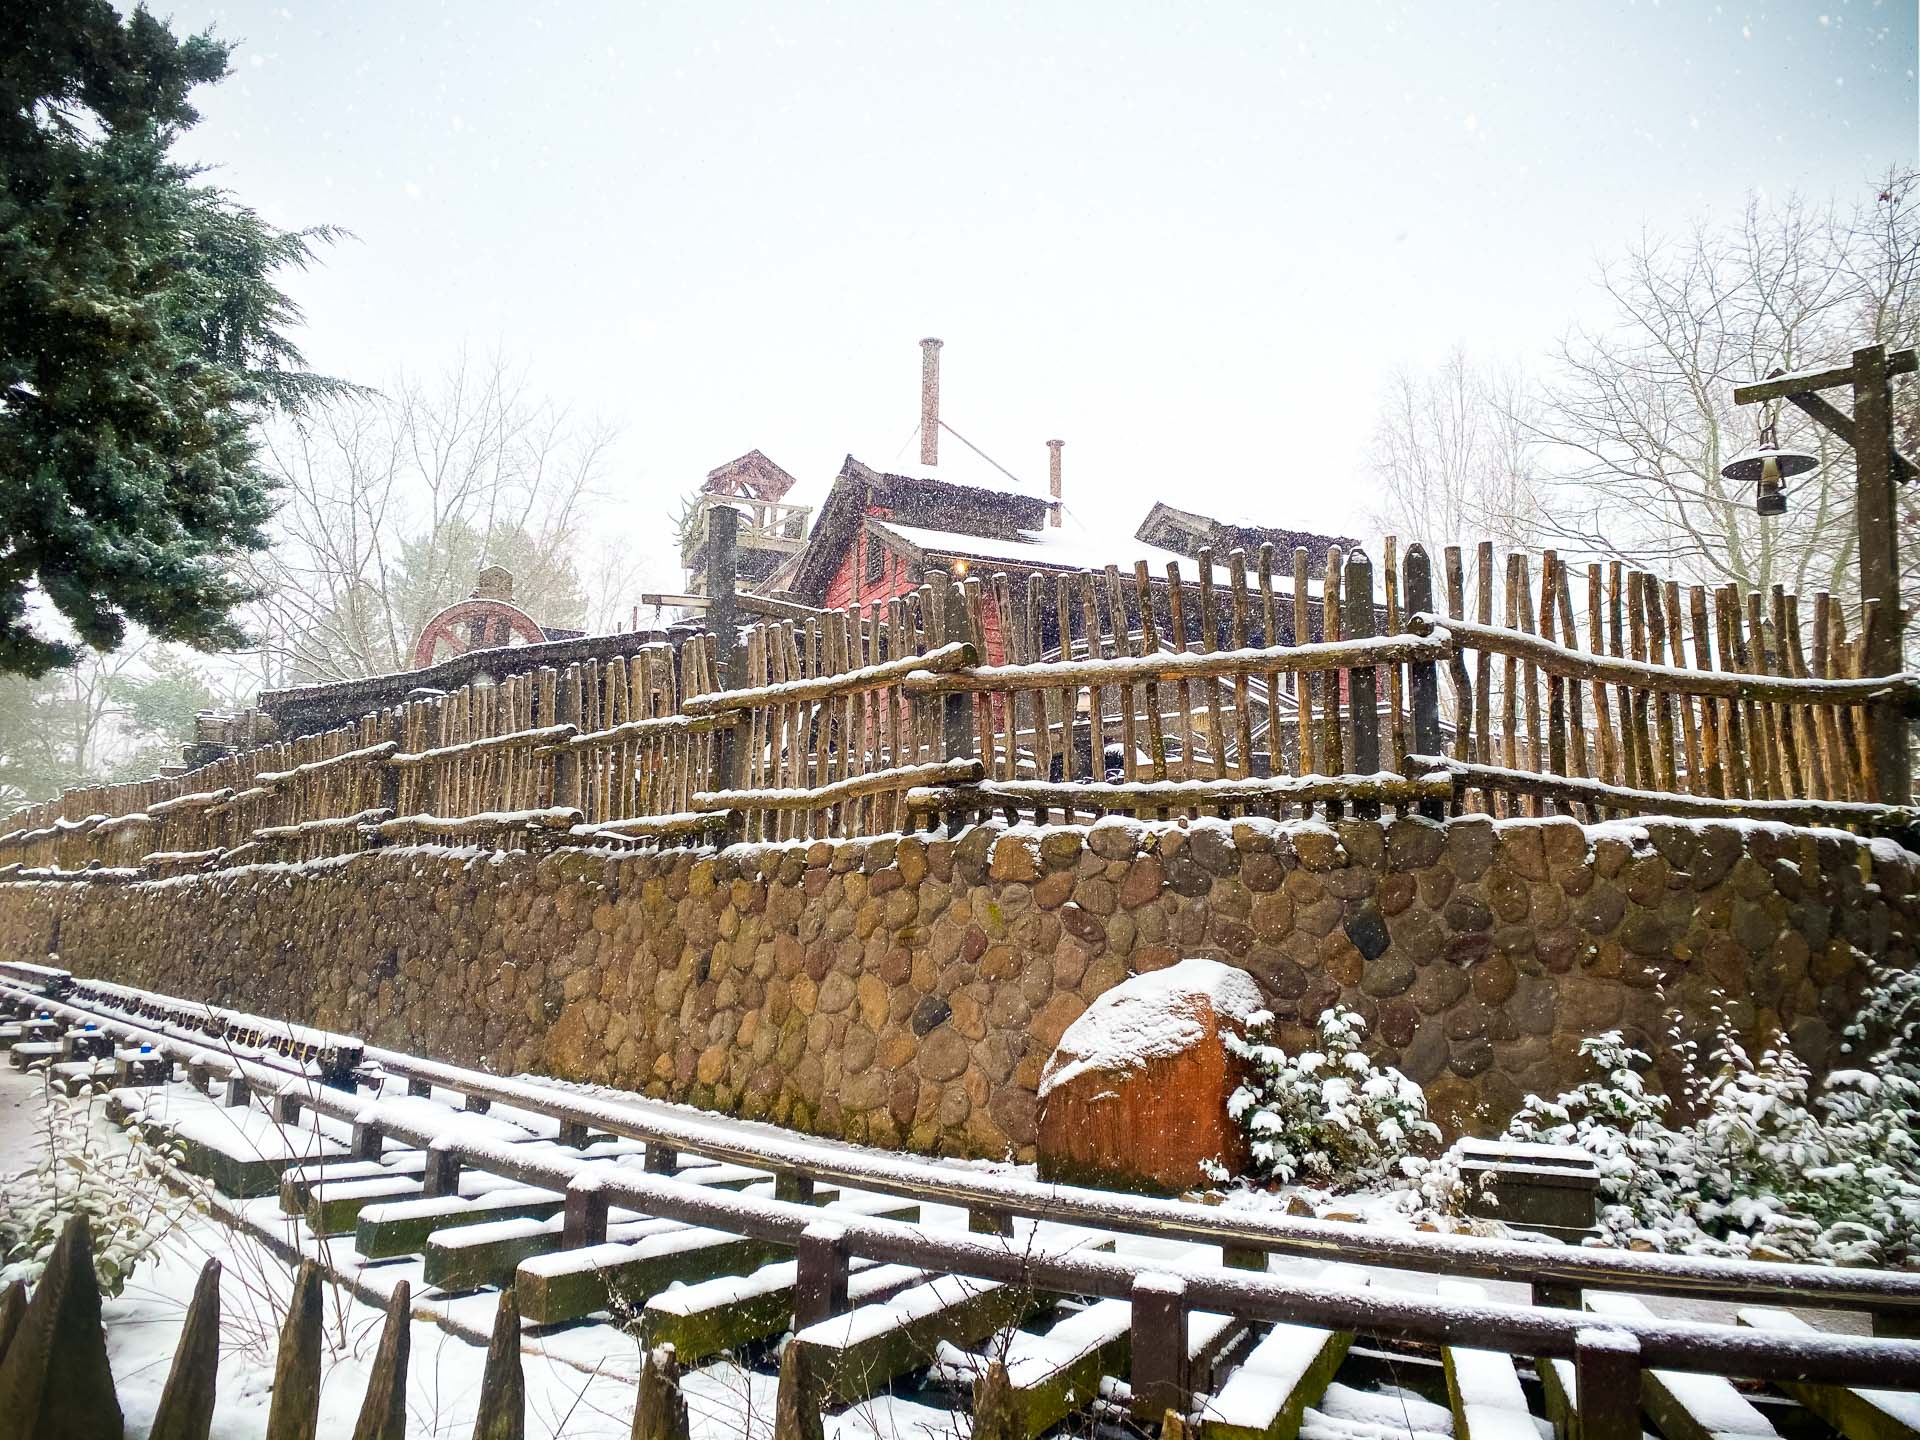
<point x="1135" y="1095"/>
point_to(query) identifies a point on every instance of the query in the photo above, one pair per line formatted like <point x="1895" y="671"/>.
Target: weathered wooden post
<point x="383" y="1414"/>
<point x="294" y="1413"/>
<point x="502" y="1412"/>
<point x="1879" y="530"/>
<point x="820" y="1283"/>
<point x="729" y="660"/>
<point x="1160" y="1372"/>
<point x="1363" y="681"/>
<point x="1423" y="676"/>
<point x="55" y="1378"/>
<point x="796" y="1409"/>
<point x="584" y="1221"/>
<point x="1606" y="1379"/>
<point x="440" y="1175"/>
<point x="185" y="1411"/>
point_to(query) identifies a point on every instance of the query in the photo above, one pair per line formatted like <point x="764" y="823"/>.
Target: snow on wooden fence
<point x="1226" y="687"/>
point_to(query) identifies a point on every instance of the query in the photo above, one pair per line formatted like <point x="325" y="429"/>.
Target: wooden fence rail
<point x="1231" y="686"/>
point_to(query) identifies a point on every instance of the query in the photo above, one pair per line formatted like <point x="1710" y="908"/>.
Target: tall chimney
<point x="1053" y="480"/>
<point x="929" y="402"/>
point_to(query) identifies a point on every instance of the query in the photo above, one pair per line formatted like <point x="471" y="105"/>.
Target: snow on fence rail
<point x="1073" y="696"/>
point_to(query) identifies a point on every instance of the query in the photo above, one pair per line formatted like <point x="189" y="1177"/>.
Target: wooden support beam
<point x="1783" y="387"/>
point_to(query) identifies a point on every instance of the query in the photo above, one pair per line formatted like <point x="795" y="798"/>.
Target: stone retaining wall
<point x="908" y="991"/>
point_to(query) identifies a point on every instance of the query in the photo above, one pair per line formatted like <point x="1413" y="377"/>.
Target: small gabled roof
<point x="924" y="497"/>
<point x="752" y="476"/>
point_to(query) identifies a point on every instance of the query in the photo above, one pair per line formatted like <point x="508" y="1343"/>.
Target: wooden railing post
<point x="1606" y="1371"/>
<point x="1423" y="677"/>
<point x="1160" y="1371"/>
<point x="820" y="1282"/>
<point x="729" y="659"/>
<point x="944" y="617"/>
<point x="1363" y="682"/>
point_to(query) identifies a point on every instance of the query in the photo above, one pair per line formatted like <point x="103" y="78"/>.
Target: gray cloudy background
<point x="1191" y="240"/>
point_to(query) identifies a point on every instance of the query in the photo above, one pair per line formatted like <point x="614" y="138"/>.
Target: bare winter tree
<point x="1638" y="418"/>
<point x="1451" y="453"/>
<point x="391" y="505"/>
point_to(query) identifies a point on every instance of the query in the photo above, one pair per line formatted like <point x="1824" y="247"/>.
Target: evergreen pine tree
<point x="140" y="336"/>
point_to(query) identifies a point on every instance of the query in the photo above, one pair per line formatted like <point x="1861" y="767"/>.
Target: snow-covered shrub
<point x="128" y="1186"/>
<point x="1327" y="1116"/>
<point x="1773" y="1168"/>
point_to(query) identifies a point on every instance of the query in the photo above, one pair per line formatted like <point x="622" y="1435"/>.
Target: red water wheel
<point x="474" y="625"/>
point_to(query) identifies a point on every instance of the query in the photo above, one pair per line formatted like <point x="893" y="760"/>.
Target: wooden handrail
<point x="900" y="777"/>
<point x="1582" y="665"/>
<point x="546" y="735"/>
<point x="644" y="730"/>
<point x="1138" y="795"/>
<point x="958" y="655"/>
<point x="1176" y="665"/>
<point x="1466" y="775"/>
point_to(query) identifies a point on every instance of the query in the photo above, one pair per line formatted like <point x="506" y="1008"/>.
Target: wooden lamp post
<point x="1877" y="467"/>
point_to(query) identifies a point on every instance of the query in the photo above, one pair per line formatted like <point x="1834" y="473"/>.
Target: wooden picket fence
<point x="1225" y="686"/>
<point x="55" y="1377"/>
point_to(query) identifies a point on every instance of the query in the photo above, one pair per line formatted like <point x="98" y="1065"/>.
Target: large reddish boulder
<point x="1135" y="1095"/>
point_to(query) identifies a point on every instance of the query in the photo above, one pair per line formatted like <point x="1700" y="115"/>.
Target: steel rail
<point x="1879" y="1292"/>
<point x="1693" y="1346"/>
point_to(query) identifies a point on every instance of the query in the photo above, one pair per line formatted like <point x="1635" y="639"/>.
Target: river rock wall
<point x="908" y="991"/>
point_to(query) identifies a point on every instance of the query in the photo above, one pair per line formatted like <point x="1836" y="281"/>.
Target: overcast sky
<point x="1190" y="239"/>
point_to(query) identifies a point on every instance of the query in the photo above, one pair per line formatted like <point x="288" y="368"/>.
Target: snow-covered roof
<point x="1068" y="547"/>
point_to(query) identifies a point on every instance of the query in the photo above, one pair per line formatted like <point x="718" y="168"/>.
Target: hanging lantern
<point x="1767" y="468"/>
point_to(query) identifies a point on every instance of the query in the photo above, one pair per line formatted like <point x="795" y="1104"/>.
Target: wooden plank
<point x="1831" y="722"/>
<point x="1308" y="759"/>
<point x="1482" y="1389"/>
<point x="1858" y="1414"/>
<point x="1457" y="664"/>
<point x="1209" y="640"/>
<point x="1270" y="619"/>
<point x="1129" y="695"/>
<point x="1741" y="781"/>
<point x="1237" y="633"/>
<point x="1149" y="643"/>
<point x="1510" y="755"/>
<point x="710" y="1317"/>
<point x="1689" y="724"/>
<point x="1687" y="1406"/>
<point x="1712" y="712"/>
<point x="1096" y="698"/>
<point x="1050" y="1376"/>
<point x="858" y="1353"/>
<point x="1288" y="1370"/>
<point x="1779" y="733"/>
<point x="1665" y="749"/>
<point x="1183" y="695"/>
<point x="1332" y="748"/>
<point x="1556" y="685"/>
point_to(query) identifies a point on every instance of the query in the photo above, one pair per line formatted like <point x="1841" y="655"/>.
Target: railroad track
<point x="721" y="1237"/>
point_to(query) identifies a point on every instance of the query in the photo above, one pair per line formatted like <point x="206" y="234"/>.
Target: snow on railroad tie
<point x="468" y="1257"/>
<point x="1857" y="1414"/>
<point x="1054" y="1373"/>
<point x="242" y="1150"/>
<point x="1686" y="1406"/>
<point x="1344" y="1413"/>
<point x="1266" y="1397"/>
<point x="571" y="1284"/>
<point x="403" y="1227"/>
<point x="713" y="1316"/>
<point x="1482" y="1386"/>
<point x="861" y="1351"/>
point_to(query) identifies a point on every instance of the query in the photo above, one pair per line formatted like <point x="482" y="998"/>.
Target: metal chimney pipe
<point x="929" y="402"/>
<point x="1053" y="481"/>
